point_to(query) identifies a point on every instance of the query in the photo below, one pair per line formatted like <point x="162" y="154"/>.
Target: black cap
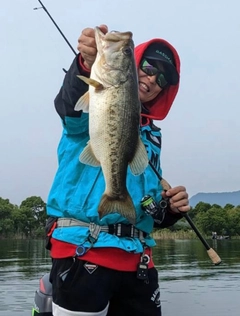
<point x="159" y="51"/>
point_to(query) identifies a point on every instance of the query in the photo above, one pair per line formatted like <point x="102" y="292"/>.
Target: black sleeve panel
<point x="72" y="89"/>
<point x="169" y="220"/>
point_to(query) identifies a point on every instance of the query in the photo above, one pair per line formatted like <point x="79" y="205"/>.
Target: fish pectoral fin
<point x="87" y="156"/>
<point x="91" y="82"/>
<point x="83" y="103"/>
<point x="140" y="159"/>
<point x="123" y="206"/>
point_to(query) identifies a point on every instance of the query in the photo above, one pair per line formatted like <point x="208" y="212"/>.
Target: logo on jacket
<point x="90" y="267"/>
<point x="156" y="297"/>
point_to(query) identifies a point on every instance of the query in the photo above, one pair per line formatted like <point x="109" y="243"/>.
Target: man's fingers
<point x="103" y="28"/>
<point x="178" y="198"/>
<point x="89" y="52"/>
<point x="180" y="203"/>
<point x="87" y="44"/>
<point x="175" y="190"/>
<point x="88" y="32"/>
<point x="184" y="209"/>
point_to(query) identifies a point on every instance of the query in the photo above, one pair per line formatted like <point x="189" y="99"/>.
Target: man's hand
<point x="87" y="45"/>
<point x="178" y="199"/>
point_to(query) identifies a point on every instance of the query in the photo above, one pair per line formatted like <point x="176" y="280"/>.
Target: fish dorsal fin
<point x="87" y="156"/>
<point x="83" y="103"/>
<point x="140" y="159"/>
<point x="91" y="82"/>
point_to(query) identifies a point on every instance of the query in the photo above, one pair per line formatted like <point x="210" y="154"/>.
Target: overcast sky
<point x="201" y="134"/>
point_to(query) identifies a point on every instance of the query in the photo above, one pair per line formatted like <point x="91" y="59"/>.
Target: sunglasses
<point x="151" y="70"/>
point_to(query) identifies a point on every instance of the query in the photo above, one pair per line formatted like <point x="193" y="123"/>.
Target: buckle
<point x="126" y="230"/>
<point x="123" y="230"/>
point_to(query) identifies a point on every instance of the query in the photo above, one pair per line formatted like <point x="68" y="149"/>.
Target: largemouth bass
<point x="114" y="117"/>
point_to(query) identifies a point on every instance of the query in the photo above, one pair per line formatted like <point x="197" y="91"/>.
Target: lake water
<point x="190" y="284"/>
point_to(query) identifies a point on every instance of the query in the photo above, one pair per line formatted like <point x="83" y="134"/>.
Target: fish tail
<point x="122" y="205"/>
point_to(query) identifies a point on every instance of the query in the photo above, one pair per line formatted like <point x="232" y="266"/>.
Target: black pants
<point x="81" y="286"/>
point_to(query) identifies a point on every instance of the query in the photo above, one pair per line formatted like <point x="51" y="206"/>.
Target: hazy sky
<point x="201" y="135"/>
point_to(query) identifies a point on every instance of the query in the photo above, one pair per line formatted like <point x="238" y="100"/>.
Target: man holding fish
<point x="106" y="199"/>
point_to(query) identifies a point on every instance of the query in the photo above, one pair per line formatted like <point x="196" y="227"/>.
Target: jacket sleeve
<point x="72" y="89"/>
<point x="168" y="220"/>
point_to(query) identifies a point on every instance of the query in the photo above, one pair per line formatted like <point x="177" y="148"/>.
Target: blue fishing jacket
<point x="77" y="188"/>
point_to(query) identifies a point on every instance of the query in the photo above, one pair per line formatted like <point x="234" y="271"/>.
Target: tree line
<point x="28" y="220"/>
<point x="211" y="218"/>
<point x="24" y="221"/>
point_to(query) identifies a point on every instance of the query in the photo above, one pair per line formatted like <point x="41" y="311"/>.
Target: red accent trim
<point x="41" y="286"/>
<point x="113" y="258"/>
<point x="81" y="63"/>
<point x="146" y="119"/>
<point x="52" y="229"/>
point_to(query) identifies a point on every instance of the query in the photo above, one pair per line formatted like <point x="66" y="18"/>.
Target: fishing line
<point x="58" y="28"/>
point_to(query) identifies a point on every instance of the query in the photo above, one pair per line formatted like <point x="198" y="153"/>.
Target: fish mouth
<point x="114" y="36"/>
<point x="108" y="44"/>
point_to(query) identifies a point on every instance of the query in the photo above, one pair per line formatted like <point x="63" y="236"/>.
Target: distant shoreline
<point x="157" y="234"/>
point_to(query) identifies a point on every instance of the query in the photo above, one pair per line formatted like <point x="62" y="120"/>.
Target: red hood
<point x="160" y="106"/>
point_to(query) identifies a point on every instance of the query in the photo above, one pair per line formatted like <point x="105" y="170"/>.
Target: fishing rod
<point x="45" y="9"/>
<point x="216" y="260"/>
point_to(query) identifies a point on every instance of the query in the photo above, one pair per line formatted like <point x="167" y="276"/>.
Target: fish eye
<point x="127" y="51"/>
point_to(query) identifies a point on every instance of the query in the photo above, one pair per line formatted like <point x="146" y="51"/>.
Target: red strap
<point x="113" y="258"/>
